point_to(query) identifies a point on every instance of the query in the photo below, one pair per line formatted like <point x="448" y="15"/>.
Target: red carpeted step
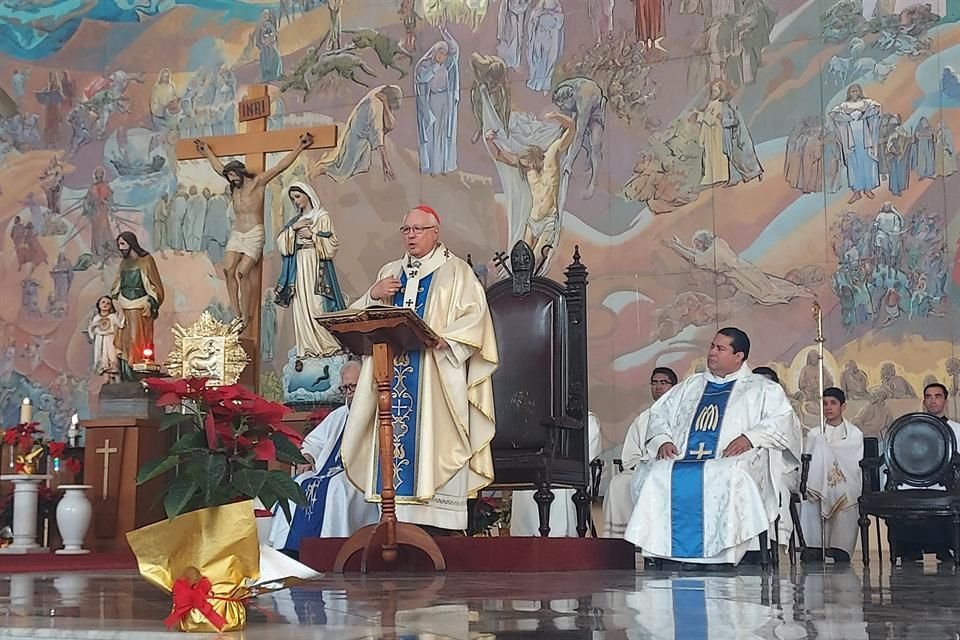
<point x="51" y="563"/>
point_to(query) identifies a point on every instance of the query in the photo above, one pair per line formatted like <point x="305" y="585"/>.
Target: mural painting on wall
<point x="717" y="161"/>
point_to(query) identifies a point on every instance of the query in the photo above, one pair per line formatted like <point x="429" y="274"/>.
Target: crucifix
<point x="248" y="180"/>
<point x="106" y="450"/>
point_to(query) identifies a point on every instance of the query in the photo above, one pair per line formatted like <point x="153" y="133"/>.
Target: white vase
<point x="73" y="518"/>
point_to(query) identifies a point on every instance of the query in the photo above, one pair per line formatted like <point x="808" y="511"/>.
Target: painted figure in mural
<point x="161" y="218"/>
<point x="924" y="138"/>
<point x="408" y="17"/>
<point x="444" y="407"/>
<point x="950" y="83"/>
<point x="857" y="120"/>
<point x="437" y="78"/>
<point x="545" y="43"/>
<point x="583" y="100"/>
<point x="308" y="283"/>
<point x="729" y="156"/>
<point x="388" y="49"/>
<point x="468" y="12"/>
<point x="809" y="381"/>
<point x="216" y="225"/>
<point x="51" y="181"/>
<point x="366" y="133"/>
<point x="854" y="381"/>
<point x="600" y="13"/>
<point x="490" y="75"/>
<point x="164" y="101"/>
<point x="225" y="101"/>
<point x="649" y="22"/>
<point x="52" y="99"/>
<point x="266" y="37"/>
<point x="175" y="222"/>
<point x="103" y="330"/>
<point x="193" y="224"/>
<point x="901" y="153"/>
<point x="541" y="170"/>
<point x="755" y="22"/>
<point x="268" y="325"/>
<point x="80" y="129"/>
<point x="245" y="245"/>
<point x="62" y="275"/>
<point x="712" y="254"/>
<point x="18" y="83"/>
<point x="138" y="294"/>
<point x="336" y="24"/>
<point x="511" y="32"/>
<point x="944" y="153"/>
<point x="26" y="245"/>
<point x="888" y="229"/>
<point x="98" y="207"/>
<point x="896" y="385"/>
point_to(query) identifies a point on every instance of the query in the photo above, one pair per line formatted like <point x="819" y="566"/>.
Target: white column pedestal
<point x="25" y="493"/>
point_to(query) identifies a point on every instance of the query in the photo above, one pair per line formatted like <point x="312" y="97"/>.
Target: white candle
<point x="26" y="411"/>
<point x="74" y="430"/>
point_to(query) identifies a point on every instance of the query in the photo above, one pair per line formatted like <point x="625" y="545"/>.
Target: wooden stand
<point x="380" y="333"/>
<point x="115" y="450"/>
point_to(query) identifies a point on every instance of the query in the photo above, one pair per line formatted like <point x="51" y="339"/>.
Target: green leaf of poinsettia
<point x="179" y="494"/>
<point x="286" y="451"/>
<point x="207" y="470"/>
<point x="156" y="468"/>
<point x="249" y="482"/>
<point x="171" y="420"/>
<point x="192" y="441"/>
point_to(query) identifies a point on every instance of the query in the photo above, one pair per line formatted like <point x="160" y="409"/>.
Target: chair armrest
<point x="804" y="472"/>
<point x="563" y="422"/>
<point x="871" y="471"/>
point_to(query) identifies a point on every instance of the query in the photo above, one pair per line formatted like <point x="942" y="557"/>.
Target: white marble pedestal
<point x="25" y="493"/>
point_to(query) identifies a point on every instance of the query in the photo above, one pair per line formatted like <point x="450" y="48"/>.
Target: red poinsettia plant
<point x="228" y="433"/>
<point x="27" y="438"/>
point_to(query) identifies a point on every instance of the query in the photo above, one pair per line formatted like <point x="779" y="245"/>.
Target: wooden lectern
<point x="381" y="332"/>
<point x="115" y="449"/>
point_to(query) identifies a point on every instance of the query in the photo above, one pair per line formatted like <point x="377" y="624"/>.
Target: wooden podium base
<point x="373" y="540"/>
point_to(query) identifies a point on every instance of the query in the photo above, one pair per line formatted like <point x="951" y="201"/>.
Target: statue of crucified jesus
<point x="245" y="246"/>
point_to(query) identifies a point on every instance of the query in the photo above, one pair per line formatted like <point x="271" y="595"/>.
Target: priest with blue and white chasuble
<point x="724" y="441"/>
<point x="442" y="397"/>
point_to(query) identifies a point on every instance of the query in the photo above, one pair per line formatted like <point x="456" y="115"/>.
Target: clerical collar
<point x="736" y="375"/>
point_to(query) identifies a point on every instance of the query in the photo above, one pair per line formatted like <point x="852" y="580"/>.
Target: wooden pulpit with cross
<point x="254" y="144"/>
<point x="115" y="449"/>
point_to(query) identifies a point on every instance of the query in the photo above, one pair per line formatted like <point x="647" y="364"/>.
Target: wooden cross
<point x="701" y="452"/>
<point x="254" y="144"/>
<point x="106" y="450"/>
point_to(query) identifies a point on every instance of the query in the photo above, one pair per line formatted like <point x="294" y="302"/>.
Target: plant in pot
<point x="227" y="434"/>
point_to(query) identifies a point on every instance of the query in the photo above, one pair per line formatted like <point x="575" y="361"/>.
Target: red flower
<point x="11" y="435"/>
<point x="265" y="450"/>
<point x="56" y="449"/>
<point x="73" y="465"/>
<point x="173" y="391"/>
<point x="210" y="429"/>
<point x="18" y="467"/>
<point x="26" y="441"/>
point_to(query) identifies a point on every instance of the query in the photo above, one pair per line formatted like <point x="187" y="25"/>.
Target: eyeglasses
<point x="344" y="388"/>
<point x="416" y="229"/>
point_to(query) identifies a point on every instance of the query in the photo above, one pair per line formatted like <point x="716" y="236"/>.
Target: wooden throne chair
<point x="540" y="387"/>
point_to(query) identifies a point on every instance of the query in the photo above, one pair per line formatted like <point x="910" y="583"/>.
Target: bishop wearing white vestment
<point x="442" y="397"/>
<point x="834" y="482"/>
<point x="724" y="440"/>
<point x="335" y="509"/>
<point x="618" y="502"/>
<point x="524" y="513"/>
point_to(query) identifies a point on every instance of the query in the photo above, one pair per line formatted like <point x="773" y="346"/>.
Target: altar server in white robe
<point x="524" y="513"/>
<point x="618" y="503"/>
<point x="335" y="508"/>
<point x="442" y="400"/>
<point x="724" y="440"/>
<point x="834" y="483"/>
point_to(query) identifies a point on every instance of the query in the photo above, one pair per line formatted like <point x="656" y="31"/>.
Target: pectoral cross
<point x="701" y="452"/>
<point x="106" y="450"/>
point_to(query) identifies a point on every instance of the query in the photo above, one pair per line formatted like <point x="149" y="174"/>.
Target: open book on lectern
<point x="394" y="324"/>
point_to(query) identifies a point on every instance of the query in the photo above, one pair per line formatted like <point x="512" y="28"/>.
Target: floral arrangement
<point x="228" y="433"/>
<point x="489" y="512"/>
<point x="28" y="448"/>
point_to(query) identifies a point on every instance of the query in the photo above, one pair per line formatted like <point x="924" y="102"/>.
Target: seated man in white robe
<point x="834" y="483"/>
<point x="524" y="513"/>
<point x="335" y="508"/>
<point x="724" y="440"/>
<point x="618" y="503"/>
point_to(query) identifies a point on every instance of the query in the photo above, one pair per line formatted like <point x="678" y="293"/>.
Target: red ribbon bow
<point x="187" y="597"/>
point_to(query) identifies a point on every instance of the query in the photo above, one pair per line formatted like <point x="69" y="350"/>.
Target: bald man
<point x="442" y="404"/>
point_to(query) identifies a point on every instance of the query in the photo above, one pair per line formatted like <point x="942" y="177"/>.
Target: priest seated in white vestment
<point x="524" y="513"/>
<point x="724" y="440"/>
<point x="618" y="503"/>
<point x="335" y="508"/>
<point x="442" y="399"/>
<point x="834" y="483"/>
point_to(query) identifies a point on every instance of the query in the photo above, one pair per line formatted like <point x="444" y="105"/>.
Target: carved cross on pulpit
<point x="106" y="450"/>
<point x="254" y="145"/>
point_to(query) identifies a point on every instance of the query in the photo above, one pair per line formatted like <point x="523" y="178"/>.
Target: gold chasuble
<point x="441" y="399"/>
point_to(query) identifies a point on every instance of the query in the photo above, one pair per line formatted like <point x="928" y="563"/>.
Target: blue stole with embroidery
<point x="686" y="481"/>
<point x="405" y="402"/>
<point x="308" y="520"/>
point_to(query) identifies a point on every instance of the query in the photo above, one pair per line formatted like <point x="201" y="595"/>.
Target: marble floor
<point x="911" y="603"/>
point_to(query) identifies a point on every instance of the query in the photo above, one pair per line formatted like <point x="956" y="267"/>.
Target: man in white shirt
<point x="618" y="503"/>
<point x="834" y="483"/>
<point x="724" y="440"/>
<point x="335" y="508"/>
